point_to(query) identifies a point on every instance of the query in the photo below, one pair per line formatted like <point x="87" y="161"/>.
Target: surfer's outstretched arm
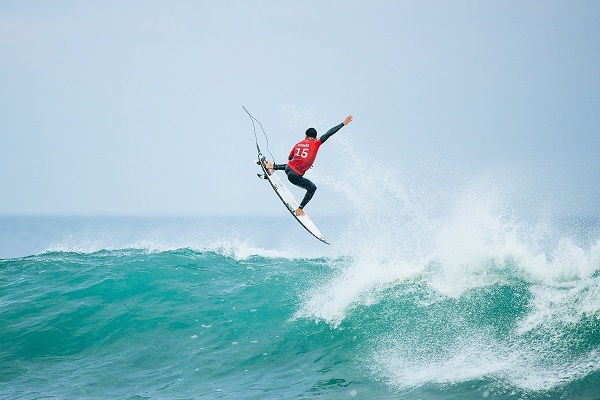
<point x="335" y="129"/>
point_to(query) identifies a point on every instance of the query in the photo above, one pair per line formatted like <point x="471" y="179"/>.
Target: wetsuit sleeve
<point x="279" y="166"/>
<point x="331" y="132"/>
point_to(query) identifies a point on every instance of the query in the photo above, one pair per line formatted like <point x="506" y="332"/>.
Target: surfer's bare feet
<point x="299" y="212"/>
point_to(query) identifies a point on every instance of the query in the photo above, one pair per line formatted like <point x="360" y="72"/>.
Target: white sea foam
<point x="359" y="284"/>
<point x="476" y="242"/>
<point x="557" y="306"/>
<point x="476" y="248"/>
<point x="478" y="355"/>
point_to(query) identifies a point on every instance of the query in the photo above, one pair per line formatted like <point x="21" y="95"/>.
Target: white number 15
<point x="302" y="152"/>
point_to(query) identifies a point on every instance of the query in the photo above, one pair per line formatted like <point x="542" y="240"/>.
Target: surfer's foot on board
<point x="299" y="212"/>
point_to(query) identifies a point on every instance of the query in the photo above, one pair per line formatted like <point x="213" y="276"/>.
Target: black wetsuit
<point x="298" y="179"/>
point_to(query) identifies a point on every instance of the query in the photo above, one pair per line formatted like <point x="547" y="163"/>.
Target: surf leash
<point x="263" y="131"/>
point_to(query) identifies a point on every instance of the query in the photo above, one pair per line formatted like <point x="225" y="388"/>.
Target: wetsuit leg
<point x="302" y="182"/>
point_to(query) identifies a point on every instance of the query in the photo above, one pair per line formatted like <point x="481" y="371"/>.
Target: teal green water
<point x="242" y="322"/>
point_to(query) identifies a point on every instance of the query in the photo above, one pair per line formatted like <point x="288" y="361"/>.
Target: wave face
<point x="235" y="321"/>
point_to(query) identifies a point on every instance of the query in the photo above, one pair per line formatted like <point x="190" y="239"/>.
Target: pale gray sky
<point x="134" y="107"/>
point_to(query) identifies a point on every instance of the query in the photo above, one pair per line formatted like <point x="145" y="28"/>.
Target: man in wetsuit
<point x="302" y="157"/>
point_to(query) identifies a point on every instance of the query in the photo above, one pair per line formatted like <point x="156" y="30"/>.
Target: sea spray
<point x="477" y="293"/>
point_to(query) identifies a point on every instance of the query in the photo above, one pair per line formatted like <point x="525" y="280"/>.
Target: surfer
<point x="302" y="157"/>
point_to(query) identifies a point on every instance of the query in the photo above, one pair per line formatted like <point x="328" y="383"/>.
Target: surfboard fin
<point x="262" y="176"/>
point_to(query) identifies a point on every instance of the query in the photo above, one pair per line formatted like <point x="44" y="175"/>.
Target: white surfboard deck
<point x="288" y="198"/>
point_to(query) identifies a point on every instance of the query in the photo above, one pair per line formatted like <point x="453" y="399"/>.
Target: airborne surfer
<point x="302" y="157"/>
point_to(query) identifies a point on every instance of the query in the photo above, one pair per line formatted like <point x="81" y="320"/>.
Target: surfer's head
<point x="311" y="132"/>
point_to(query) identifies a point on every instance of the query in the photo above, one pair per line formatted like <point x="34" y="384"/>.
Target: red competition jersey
<point x="303" y="155"/>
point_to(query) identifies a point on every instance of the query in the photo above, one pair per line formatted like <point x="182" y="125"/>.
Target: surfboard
<point x="287" y="198"/>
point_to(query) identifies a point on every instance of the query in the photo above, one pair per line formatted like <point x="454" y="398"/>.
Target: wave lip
<point x="237" y="249"/>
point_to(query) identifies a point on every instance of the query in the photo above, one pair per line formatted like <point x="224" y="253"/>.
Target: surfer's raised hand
<point x="269" y="165"/>
<point x="347" y="120"/>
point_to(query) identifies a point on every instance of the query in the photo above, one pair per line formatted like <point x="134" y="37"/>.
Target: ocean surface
<point x="472" y="304"/>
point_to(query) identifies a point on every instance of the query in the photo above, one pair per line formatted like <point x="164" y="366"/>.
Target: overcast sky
<point x="135" y="107"/>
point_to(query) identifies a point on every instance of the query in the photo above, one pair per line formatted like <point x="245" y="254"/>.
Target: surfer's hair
<point x="311" y="132"/>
